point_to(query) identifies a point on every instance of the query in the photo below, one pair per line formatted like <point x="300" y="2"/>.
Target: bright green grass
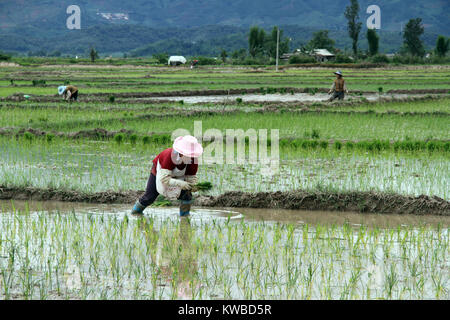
<point x="329" y="126"/>
<point x="93" y="79"/>
<point x="93" y="166"/>
<point x="440" y="105"/>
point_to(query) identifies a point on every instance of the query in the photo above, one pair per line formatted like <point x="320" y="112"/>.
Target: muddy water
<point x="247" y="214"/>
<point x="258" y="98"/>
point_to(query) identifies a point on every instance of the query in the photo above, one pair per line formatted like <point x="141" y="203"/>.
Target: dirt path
<point x="364" y="202"/>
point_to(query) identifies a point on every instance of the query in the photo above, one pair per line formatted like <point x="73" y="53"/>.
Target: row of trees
<point x="259" y="43"/>
<point x="412" y="44"/>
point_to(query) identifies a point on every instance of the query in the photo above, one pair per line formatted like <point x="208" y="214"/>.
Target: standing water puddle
<point x="246" y="214"/>
<point x="259" y="98"/>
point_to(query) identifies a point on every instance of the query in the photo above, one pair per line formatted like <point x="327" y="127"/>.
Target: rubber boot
<point x="138" y="208"/>
<point x="186" y="202"/>
<point x="185" y="208"/>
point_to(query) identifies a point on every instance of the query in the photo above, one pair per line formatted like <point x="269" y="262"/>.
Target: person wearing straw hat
<point x="69" y="92"/>
<point x="338" y="88"/>
<point x="173" y="175"/>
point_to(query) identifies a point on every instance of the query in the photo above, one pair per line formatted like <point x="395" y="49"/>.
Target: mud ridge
<point x="31" y="193"/>
<point x="363" y="202"/>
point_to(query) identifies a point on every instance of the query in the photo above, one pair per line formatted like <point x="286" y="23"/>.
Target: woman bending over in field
<point x="68" y="92"/>
<point x="173" y="175"/>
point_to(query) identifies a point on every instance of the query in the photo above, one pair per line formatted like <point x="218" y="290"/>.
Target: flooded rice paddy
<point x="55" y="250"/>
<point x="260" y="98"/>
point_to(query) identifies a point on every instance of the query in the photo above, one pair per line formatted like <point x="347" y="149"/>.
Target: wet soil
<point x="363" y="202"/>
<point x="200" y="94"/>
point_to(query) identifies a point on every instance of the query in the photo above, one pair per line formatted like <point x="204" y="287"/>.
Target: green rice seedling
<point x="146" y="140"/>
<point x="112" y="99"/>
<point x="49" y="137"/>
<point x="118" y="138"/>
<point x="349" y="145"/>
<point x="324" y="144"/>
<point x="431" y="146"/>
<point x="203" y="186"/>
<point x="338" y="145"/>
<point x="162" y="202"/>
<point x="39" y="82"/>
<point x="133" y="139"/>
<point x="29" y="137"/>
<point x="315" y="134"/>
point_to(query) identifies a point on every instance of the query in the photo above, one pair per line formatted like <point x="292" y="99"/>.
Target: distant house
<point x="287" y="56"/>
<point x="176" y="60"/>
<point x="323" y="55"/>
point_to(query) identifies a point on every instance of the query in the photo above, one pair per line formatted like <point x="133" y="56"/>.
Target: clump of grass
<point x="28" y="136"/>
<point x="324" y="144"/>
<point x="118" y="138"/>
<point x="39" y="82"/>
<point x="315" y="134"/>
<point x="49" y="137"/>
<point x="112" y="99"/>
<point x="350" y="145"/>
<point x="133" y="139"/>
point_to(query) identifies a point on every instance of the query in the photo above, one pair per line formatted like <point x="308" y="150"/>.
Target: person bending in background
<point x="173" y="175"/>
<point x="338" y="88"/>
<point x="69" y="92"/>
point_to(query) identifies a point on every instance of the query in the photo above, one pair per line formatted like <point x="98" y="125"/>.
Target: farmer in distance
<point x="173" y="175"/>
<point x="69" y="92"/>
<point x="338" y="88"/>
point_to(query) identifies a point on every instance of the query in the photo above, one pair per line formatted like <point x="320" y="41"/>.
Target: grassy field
<point x="160" y="79"/>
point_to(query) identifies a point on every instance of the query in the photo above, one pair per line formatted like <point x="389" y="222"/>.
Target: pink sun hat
<point x="188" y="146"/>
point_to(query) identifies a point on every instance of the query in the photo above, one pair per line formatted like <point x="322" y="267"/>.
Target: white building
<point x="323" y="55"/>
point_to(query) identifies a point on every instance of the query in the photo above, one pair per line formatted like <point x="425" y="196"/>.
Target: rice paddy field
<point x="389" y="139"/>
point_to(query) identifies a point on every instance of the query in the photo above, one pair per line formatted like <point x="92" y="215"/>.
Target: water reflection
<point x="177" y="268"/>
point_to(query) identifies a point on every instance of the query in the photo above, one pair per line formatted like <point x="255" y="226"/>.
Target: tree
<point x="93" y="54"/>
<point x="162" y="58"/>
<point x="223" y="55"/>
<point x="321" y="40"/>
<point x="354" y="27"/>
<point x="256" y="40"/>
<point x="442" y="46"/>
<point x="253" y="41"/>
<point x="239" y="54"/>
<point x="413" y="44"/>
<point x="271" y="43"/>
<point x="373" y="40"/>
<point x="4" y="56"/>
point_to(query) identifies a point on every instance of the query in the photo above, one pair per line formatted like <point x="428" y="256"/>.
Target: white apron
<point x="170" y="192"/>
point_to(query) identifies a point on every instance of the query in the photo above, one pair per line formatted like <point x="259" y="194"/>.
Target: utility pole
<point x="278" y="46"/>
